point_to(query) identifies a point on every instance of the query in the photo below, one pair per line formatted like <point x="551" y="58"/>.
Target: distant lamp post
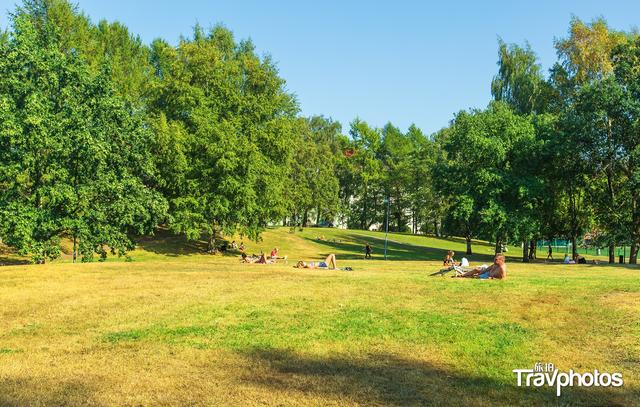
<point x="386" y="232"/>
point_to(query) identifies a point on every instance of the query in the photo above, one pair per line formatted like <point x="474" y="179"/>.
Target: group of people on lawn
<point x="497" y="270"/>
<point x="261" y="258"/>
<point x="329" y="262"/>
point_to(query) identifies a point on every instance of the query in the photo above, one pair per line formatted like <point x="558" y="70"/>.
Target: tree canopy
<point x="104" y="139"/>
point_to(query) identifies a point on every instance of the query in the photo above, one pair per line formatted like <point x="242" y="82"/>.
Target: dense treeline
<point x="104" y="138"/>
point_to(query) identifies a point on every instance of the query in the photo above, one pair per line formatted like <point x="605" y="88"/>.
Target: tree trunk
<point x="398" y="216"/>
<point x="318" y="216"/>
<point x="75" y="250"/>
<point x="211" y="244"/>
<point x="533" y="249"/>
<point x="305" y="218"/>
<point x="436" y="230"/>
<point x="498" y="248"/>
<point x="612" y="253"/>
<point x="573" y="204"/>
<point x="635" y="234"/>
<point x="525" y="252"/>
<point x="633" y="254"/>
<point x="414" y="222"/>
<point x="365" y="210"/>
<point x="469" y="245"/>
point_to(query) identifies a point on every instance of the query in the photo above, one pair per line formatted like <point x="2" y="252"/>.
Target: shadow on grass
<point x="44" y="392"/>
<point x="168" y="244"/>
<point x="165" y="243"/>
<point x="9" y="261"/>
<point x="385" y="379"/>
<point x="7" y="257"/>
<point x="353" y="244"/>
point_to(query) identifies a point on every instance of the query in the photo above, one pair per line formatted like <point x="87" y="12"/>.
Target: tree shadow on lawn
<point x="444" y="239"/>
<point x="385" y="379"/>
<point x="166" y="243"/>
<point x="45" y="392"/>
<point x="10" y="261"/>
<point x="353" y="244"/>
<point x="7" y="257"/>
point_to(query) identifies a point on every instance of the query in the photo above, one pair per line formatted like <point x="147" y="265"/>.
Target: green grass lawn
<point x="179" y="327"/>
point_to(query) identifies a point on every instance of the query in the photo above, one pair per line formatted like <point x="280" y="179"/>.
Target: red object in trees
<point x="349" y="152"/>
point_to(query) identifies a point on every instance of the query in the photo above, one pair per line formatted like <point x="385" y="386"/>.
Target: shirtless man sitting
<point x="497" y="270"/>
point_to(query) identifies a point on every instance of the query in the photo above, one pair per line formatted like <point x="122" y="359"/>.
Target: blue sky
<point x="403" y="61"/>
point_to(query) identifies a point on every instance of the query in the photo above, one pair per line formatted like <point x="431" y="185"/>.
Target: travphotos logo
<point x="546" y="374"/>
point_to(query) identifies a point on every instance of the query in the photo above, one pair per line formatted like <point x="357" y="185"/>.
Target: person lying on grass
<point x="497" y="270"/>
<point x="253" y="259"/>
<point x="329" y="262"/>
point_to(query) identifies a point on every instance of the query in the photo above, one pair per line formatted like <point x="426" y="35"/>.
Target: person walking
<point x="367" y="251"/>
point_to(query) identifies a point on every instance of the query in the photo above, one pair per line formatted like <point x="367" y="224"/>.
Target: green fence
<point x="560" y="247"/>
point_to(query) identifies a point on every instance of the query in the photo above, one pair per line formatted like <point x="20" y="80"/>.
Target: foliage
<point x="519" y="81"/>
<point x="225" y="112"/>
<point x="104" y="138"/>
<point x="73" y="155"/>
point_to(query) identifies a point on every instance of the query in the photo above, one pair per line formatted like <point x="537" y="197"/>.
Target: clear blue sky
<point x="403" y="61"/>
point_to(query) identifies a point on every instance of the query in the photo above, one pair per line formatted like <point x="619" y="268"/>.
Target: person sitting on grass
<point x="274" y="255"/>
<point x="497" y="270"/>
<point x="449" y="263"/>
<point x="329" y="262"/>
<point x="263" y="260"/>
<point x="448" y="260"/>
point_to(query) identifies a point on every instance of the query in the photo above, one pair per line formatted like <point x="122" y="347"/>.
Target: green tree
<point x="73" y="155"/>
<point x="366" y="198"/>
<point x="314" y="184"/>
<point x="477" y="175"/>
<point x="396" y="151"/>
<point x="627" y="122"/>
<point x="427" y="208"/>
<point x="519" y="81"/>
<point x="234" y="125"/>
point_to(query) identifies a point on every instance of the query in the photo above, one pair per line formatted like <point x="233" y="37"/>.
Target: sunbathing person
<point x="329" y="262"/>
<point x="497" y="270"/>
<point x="254" y="259"/>
<point x="244" y="258"/>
